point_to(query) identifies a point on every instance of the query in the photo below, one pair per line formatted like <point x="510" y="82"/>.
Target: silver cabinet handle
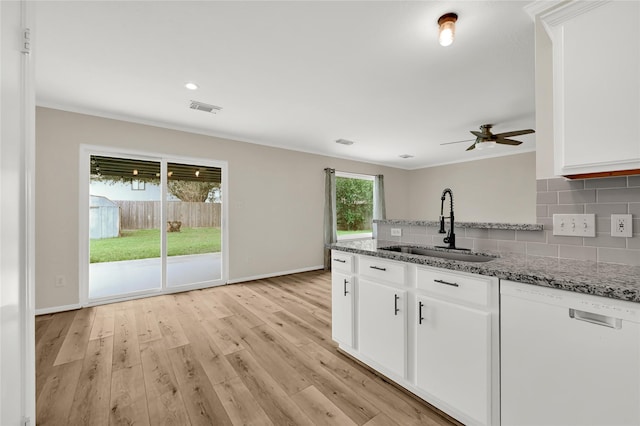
<point x="345" y="286"/>
<point x="395" y="305"/>
<point x="597" y="319"/>
<point x="420" y="317"/>
<point x="446" y="282"/>
<point x="378" y="268"/>
<point x="340" y="260"/>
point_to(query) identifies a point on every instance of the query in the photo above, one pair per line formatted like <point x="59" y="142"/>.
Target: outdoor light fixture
<point x="135" y="172"/>
<point x="447" y="24"/>
<point x="197" y="173"/>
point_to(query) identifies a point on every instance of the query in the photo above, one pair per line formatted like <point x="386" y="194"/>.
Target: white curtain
<point x="330" y="218"/>
<point x="379" y="208"/>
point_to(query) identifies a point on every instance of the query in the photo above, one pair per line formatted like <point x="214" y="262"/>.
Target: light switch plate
<point x="621" y="225"/>
<point x="396" y="232"/>
<point x="575" y="225"/>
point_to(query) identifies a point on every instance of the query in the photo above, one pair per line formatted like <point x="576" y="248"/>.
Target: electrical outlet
<point x="621" y="225"/>
<point x="575" y="225"/>
<point x="60" y="281"/>
<point x="396" y="232"/>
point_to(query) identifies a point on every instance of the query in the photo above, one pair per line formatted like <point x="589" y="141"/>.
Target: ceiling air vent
<point x="345" y="142"/>
<point x="201" y="106"/>
<point x="405" y="156"/>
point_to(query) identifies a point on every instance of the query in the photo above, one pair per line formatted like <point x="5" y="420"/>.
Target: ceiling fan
<point x="486" y="139"/>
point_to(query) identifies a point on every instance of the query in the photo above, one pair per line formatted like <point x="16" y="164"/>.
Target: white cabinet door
<point x="342" y="308"/>
<point x="596" y="66"/>
<point x="382" y="325"/>
<point x="453" y="356"/>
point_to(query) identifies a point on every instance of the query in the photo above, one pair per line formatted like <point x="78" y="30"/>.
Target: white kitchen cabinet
<point x="342" y="298"/>
<point x="453" y="353"/>
<point x="568" y="358"/>
<point x="596" y="86"/>
<point x="342" y="289"/>
<point x="382" y="326"/>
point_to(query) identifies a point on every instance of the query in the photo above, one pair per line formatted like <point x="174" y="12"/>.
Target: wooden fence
<point x="146" y="214"/>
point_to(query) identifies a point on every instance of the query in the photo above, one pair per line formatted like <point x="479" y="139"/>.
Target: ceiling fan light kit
<point x="447" y="28"/>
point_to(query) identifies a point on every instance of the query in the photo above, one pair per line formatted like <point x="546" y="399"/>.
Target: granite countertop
<point x="601" y="279"/>
<point x="476" y="225"/>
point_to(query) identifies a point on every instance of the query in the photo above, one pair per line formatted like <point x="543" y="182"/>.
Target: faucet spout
<point x="450" y="239"/>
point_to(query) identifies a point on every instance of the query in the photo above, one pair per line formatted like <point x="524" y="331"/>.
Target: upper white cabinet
<point x="596" y="86"/>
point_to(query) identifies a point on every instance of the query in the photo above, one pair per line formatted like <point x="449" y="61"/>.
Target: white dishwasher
<point x="568" y="358"/>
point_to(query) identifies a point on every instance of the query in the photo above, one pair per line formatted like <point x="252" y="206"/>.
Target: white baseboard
<point x="56" y="309"/>
<point x="274" y="274"/>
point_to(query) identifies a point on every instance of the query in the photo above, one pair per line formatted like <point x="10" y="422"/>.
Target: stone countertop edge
<point x="477" y="225"/>
<point x="615" y="281"/>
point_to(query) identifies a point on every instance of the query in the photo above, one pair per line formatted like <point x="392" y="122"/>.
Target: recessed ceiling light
<point x="345" y="142"/>
<point x="406" y="156"/>
<point x="191" y="86"/>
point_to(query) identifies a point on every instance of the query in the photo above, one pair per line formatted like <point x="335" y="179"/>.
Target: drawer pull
<point x="395" y="305"/>
<point x="345" y="286"/>
<point x="595" y="319"/>
<point x="378" y="268"/>
<point x="340" y="260"/>
<point x="420" y="317"/>
<point x="446" y="282"/>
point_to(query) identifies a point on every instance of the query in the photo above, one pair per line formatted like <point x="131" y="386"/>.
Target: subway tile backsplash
<point x="603" y="197"/>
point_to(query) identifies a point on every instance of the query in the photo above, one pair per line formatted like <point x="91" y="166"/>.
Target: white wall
<point x="276" y="196"/>
<point x="501" y="189"/>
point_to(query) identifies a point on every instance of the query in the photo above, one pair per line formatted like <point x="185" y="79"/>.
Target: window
<point x="137" y="185"/>
<point x="354" y="205"/>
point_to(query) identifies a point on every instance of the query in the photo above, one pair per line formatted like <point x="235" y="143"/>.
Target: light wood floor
<point x="257" y="353"/>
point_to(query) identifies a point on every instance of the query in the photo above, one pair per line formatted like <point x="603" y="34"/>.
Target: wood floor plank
<point x="211" y="358"/>
<point x="381" y="420"/>
<point x="54" y="402"/>
<point x="102" y="323"/>
<point x="91" y="400"/>
<point x="248" y="318"/>
<point x="164" y="399"/>
<point x="357" y="408"/>
<point x="128" y="397"/>
<point x="168" y="323"/>
<point x="49" y="344"/>
<point x="126" y="352"/>
<point x="319" y="409"/>
<point x="271" y="397"/>
<point x="240" y="404"/>
<point x="251" y="300"/>
<point x="41" y="327"/>
<point x="222" y="335"/>
<point x="217" y="307"/>
<point x="75" y="342"/>
<point x="147" y="323"/>
<point x="201" y="401"/>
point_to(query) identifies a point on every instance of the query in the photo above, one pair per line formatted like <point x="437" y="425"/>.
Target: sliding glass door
<point x="154" y="225"/>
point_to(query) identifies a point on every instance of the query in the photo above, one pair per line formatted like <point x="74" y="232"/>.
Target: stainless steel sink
<point x="449" y="254"/>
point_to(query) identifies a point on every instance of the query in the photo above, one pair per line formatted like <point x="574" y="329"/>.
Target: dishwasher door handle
<point x="597" y="319"/>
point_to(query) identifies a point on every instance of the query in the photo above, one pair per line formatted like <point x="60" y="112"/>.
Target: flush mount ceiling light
<point x="191" y="86"/>
<point x="345" y="142"/>
<point x="447" y="24"/>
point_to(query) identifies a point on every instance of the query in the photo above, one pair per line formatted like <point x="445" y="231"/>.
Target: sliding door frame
<point x="86" y="151"/>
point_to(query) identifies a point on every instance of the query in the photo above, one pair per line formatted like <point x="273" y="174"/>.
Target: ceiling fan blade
<point x="514" y="133"/>
<point x="472" y="146"/>
<point x="449" y="143"/>
<point x="507" y="141"/>
<point x="480" y="135"/>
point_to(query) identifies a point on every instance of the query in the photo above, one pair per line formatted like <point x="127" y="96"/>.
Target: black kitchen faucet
<point x="451" y="236"/>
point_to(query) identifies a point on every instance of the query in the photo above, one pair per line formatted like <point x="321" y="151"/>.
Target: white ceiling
<point x="298" y="74"/>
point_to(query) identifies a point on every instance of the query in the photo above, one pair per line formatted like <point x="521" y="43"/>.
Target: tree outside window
<point x="354" y="205"/>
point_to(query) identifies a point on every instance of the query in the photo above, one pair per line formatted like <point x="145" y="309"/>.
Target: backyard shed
<point x="104" y="218"/>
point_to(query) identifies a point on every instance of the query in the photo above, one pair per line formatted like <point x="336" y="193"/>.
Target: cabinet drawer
<point x="392" y="272"/>
<point x="455" y="286"/>
<point x="341" y="261"/>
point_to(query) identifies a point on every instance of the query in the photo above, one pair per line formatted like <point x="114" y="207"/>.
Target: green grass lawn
<point x="359" y="231"/>
<point x="145" y="243"/>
